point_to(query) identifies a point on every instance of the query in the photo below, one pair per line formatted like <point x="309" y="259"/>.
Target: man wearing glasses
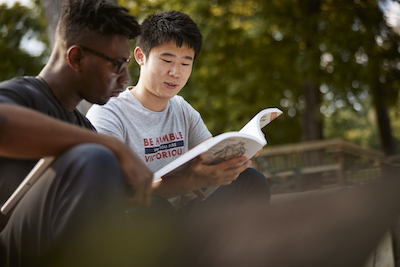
<point x="80" y="201"/>
<point x="119" y="64"/>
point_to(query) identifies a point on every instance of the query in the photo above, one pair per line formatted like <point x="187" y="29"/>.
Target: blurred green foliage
<point x="259" y="53"/>
<point x="16" y="23"/>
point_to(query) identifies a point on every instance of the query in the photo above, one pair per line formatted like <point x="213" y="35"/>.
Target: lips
<point x="116" y="92"/>
<point x="171" y="85"/>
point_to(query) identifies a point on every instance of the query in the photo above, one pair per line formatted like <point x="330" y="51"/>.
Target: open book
<point x="248" y="141"/>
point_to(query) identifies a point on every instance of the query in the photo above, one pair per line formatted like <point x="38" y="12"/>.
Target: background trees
<point x="16" y="25"/>
<point x="314" y="59"/>
<point x="332" y="66"/>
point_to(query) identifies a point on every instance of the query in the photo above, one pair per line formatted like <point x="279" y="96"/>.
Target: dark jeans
<point x="250" y="184"/>
<point x="170" y="236"/>
<point x="78" y="203"/>
<point x="74" y="215"/>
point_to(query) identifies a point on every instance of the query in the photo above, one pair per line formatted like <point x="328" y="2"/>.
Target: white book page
<point x="188" y="156"/>
<point x="252" y="128"/>
<point x="259" y="121"/>
<point x="248" y="141"/>
<point x="216" y="150"/>
<point x="236" y="145"/>
<point x="232" y="145"/>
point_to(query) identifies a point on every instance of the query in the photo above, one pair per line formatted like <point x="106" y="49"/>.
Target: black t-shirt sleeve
<point x="24" y="92"/>
<point x="31" y="93"/>
<point x="9" y="94"/>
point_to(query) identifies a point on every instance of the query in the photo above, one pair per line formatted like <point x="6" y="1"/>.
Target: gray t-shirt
<point x="156" y="137"/>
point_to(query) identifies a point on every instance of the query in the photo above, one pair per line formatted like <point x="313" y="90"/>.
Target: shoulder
<point x="18" y="81"/>
<point x="27" y="84"/>
<point x="125" y="98"/>
<point x="23" y="90"/>
<point x="182" y="107"/>
<point x="179" y="101"/>
<point x="114" y="109"/>
<point x="110" y="105"/>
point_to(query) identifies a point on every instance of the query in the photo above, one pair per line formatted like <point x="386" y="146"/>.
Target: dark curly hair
<point x="80" y="18"/>
<point x="166" y="26"/>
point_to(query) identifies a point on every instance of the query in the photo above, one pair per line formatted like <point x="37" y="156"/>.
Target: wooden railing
<point x="327" y="164"/>
<point x="318" y="164"/>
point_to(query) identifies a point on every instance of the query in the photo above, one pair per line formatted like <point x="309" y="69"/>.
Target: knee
<point x="253" y="174"/>
<point x="96" y="161"/>
<point x="92" y="153"/>
<point x="93" y="171"/>
<point x="255" y="181"/>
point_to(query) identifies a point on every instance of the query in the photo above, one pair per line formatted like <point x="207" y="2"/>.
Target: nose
<point x="174" y="71"/>
<point x="124" y="77"/>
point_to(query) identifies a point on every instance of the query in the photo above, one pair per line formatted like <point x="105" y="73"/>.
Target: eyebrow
<point x="172" y="55"/>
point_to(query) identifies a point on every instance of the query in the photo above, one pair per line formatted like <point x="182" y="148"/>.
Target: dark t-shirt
<point x="32" y="93"/>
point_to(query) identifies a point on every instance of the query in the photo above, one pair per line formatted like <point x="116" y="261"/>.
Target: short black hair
<point x="165" y="26"/>
<point x="80" y="18"/>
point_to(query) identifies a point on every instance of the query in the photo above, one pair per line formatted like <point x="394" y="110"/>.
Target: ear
<point x="140" y="57"/>
<point x="75" y="55"/>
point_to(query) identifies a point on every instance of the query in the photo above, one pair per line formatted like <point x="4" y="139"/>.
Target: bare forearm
<point x="171" y="187"/>
<point x="199" y="175"/>
<point x="25" y="133"/>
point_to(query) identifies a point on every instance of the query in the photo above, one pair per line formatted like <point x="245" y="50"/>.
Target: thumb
<point x="197" y="161"/>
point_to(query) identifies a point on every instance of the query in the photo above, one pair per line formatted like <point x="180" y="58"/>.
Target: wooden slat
<point x="306" y="170"/>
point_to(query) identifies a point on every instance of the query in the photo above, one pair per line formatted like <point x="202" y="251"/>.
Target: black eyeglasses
<point x="119" y="65"/>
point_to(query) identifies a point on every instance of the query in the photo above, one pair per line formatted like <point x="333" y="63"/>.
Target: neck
<point x="60" y="87"/>
<point x="148" y="100"/>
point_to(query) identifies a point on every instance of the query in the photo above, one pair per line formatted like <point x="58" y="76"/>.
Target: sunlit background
<point x="253" y="58"/>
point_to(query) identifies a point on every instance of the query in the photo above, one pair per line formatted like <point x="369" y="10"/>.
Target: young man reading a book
<point x="160" y="126"/>
<point x="82" y="198"/>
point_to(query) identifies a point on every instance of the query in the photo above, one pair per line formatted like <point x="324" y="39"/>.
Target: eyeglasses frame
<point x="118" y="63"/>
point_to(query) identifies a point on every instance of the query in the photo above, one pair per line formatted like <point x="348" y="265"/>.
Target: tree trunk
<point x="312" y="124"/>
<point x="52" y="10"/>
<point x="385" y="130"/>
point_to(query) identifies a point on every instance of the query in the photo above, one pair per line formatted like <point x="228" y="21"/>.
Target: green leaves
<point x="255" y="51"/>
<point x="17" y="23"/>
